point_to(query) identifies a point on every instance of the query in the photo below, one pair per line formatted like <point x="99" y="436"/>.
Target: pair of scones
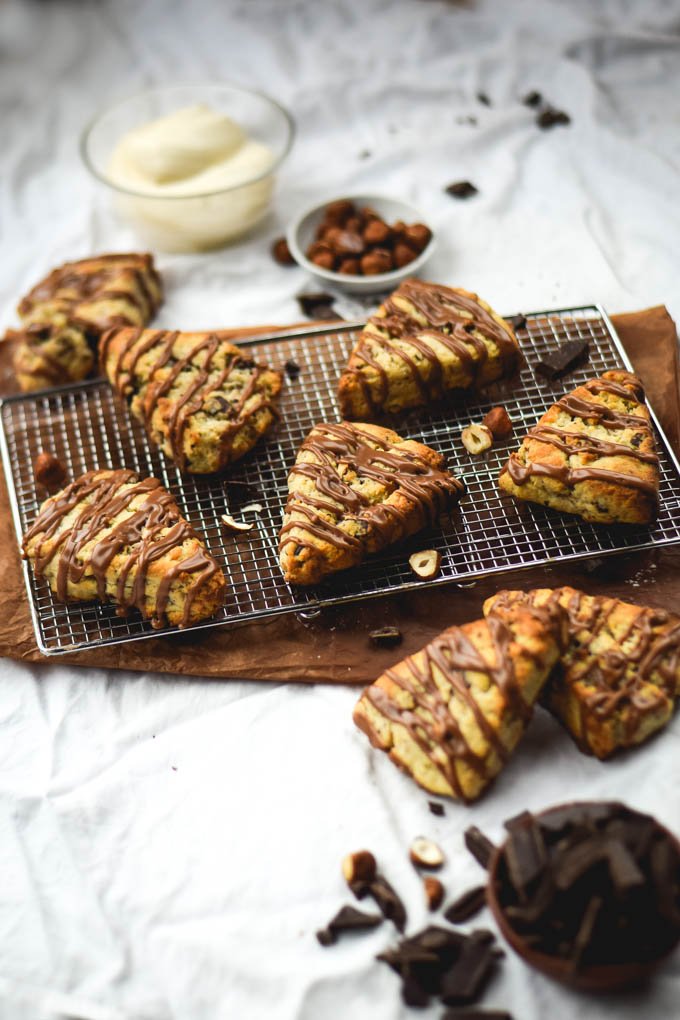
<point x="451" y="714"/>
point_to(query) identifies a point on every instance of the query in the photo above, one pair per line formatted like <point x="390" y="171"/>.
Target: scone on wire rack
<point x="202" y="400"/>
<point x="64" y="315"/>
<point x="354" y="489"/>
<point x="424" y="341"/>
<point x="617" y="679"/>
<point x="112" y="536"/>
<point x="592" y="454"/>
<point x="451" y="714"/>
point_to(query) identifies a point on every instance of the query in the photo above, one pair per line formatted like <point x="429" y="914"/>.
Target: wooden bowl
<point x="591" y="977"/>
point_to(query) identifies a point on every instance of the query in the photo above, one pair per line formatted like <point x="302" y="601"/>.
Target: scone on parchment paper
<point x="423" y="342"/>
<point x="202" y="400"/>
<point x="64" y="315"/>
<point x="592" y="454"/>
<point x="354" y="489"/>
<point x="114" y="537"/>
<point x="617" y="679"/>
<point x="451" y="714"/>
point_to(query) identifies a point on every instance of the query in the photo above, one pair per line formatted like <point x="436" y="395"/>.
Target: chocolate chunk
<point x="292" y="369"/>
<point x="281" y="252"/>
<point x="347" y="919"/>
<point x="483" y="98"/>
<point x="584" y="934"/>
<point x="318" y="306"/>
<point x="467" y="905"/>
<point x="436" y="808"/>
<point x="517" y="321"/>
<point x="567" y="356"/>
<point x="464" y="981"/>
<point x="533" y="99"/>
<point x="524" y="853"/>
<point x="413" y="993"/>
<point x="625" y="873"/>
<point x="549" y="117"/>
<point x="473" y="1013"/>
<point x="386" y="637"/>
<point x="461" y="189"/>
<point x="481" y="848"/>
<point x="387" y="901"/>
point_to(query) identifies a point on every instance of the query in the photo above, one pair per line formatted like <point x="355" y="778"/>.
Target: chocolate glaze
<point x="434" y="728"/>
<point x="453" y="319"/>
<point x="578" y="443"/>
<point x="151" y="530"/>
<point x="424" y="487"/>
<point x="121" y="367"/>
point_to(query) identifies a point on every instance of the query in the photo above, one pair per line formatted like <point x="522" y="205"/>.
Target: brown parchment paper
<point x="335" y="648"/>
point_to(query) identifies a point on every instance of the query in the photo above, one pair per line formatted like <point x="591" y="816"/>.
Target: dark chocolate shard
<point x="474" y="1013"/>
<point x="483" y="98"/>
<point x="532" y="98"/>
<point x="388" y="902"/>
<point x="347" y="919"/>
<point x="292" y="369"/>
<point x="584" y="934"/>
<point x="623" y="869"/>
<point x="550" y="117"/>
<point x="481" y="848"/>
<point x="464" y="982"/>
<point x="525" y="853"/>
<point x="461" y="189"/>
<point x="413" y="993"/>
<point x="385" y="637"/>
<point x="436" y="808"/>
<point x="467" y="905"/>
<point x="575" y="861"/>
<point x="566" y="358"/>
<point x="318" y="306"/>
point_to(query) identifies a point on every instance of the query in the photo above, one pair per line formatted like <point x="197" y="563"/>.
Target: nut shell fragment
<point x="434" y="892"/>
<point x="229" y="521"/>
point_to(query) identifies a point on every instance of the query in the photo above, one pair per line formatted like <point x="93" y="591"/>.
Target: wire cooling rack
<point x="87" y="427"/>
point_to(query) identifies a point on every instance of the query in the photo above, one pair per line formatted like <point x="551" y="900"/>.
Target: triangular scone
<point x="592" y="454"/>
<point x="452" y="714"/>
<point x="618" y="677"/>
<point x="424" y="341"/>
<point x="117" y="538"/>
<point x="204" y="401"/>
<point x="65" y="314"/>
<point x="354" y="489"/>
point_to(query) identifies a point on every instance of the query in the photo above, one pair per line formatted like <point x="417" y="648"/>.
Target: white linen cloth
<point x="168" y="847"/>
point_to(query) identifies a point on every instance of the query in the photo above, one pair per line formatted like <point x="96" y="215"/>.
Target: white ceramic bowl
<point x="303" y="228"/>
<point x="191" y="222"/>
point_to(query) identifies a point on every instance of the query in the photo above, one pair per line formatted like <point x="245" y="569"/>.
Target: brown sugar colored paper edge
<point x="336" y="647"/>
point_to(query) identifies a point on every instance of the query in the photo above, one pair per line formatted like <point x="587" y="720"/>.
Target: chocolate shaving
<point x="292" y="369"/>
<point x="347" y="919"/>
<point x="563" y="360"/>
<point x="533" y="99"/>
<point x="436" y="808"/>
<point x="386" y="637"/>
<point x="481" y="848"/>
<point x="483" y="98"/>
<point x="467" y="905"/>
<point x="550" y="117"/>
<point x="461" y="189"/>
<point x="318" y="306"/>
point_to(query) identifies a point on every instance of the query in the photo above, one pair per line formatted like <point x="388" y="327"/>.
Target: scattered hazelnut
<point x="425" y="564"/>
<point x="377" y="261"/>
<point x="338" y="211"/>
<point x="281" y="252"/>
<point x="425" y="853"/>
<point x="403" y="254"/>
<point x="498" y="422"/>
<point x="376" y="232"/>
<point x="434" y="892"/>
<point x="368" y="213"/>
<point x="316" y="247"/>
<point x="48" y="471"/>
<point x="350" y="266"/>
<point x="354" y="224"/>
<point x="399" y="228"/>
<point x="477" y="439"/>
<point x="255" y="508"/>
<point x="346" y="243"/>
<point x="229" y="521"/>
<point x="418" y="235"/>
<point x="325" y="259"/>
<point x="360" y="866"/>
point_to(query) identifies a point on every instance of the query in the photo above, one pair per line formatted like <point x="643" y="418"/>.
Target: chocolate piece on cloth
<point x="325" y="651"/>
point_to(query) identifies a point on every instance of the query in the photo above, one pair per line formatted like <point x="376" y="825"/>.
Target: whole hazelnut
<point x="403" y="254"/>
<point x="350" y="267"/>
<point x="354" y="224"/>
<point x="316" y="247"/>
<point x="377" y="261"/>
<point x="48" y="471"/>
<point x="337" y="212"/>
<point x="281" y="252"/>
<point x="331" y="236"/>
<point x="376" y="232"/>
<point x="346" y="243"/>
<point x="324" y="259"/>
<point x="368" y="213"/>
<point x="418" y="235"/>
<point x="399" y="228"/>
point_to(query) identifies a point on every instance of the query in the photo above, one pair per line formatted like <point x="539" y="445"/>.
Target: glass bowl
<point x="208" y="218"/>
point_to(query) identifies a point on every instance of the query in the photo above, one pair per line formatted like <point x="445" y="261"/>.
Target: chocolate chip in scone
<point x="281" y="252"/>
<point x="292" y="369"/>
<point x="461" y="189"/>
<point x="347" y="919"/>
<point x="318" y="306"/>
<point x="479" y="845"/>
<point x="435" y="807"/>
<point x="467" y="905"/>
<point x="532" y="99"/>
<point x="550" y="117"/>
<point x="386" y="637"/>
<point x="563" y="360"/>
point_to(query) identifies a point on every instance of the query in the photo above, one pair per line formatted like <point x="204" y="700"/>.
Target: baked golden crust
<point x="354" y="489"/>
<point x="619" y="674"/>
<point x="202" y="400"/>
<point x="64" y="315"/>
<point x="113" y="537"/>
<point x="592" y="454"/>
<point x="451" y="715"/>
<point x="423" y="342"/>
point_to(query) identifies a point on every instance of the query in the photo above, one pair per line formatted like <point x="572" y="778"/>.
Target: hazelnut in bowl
<point x="363" y="243"/>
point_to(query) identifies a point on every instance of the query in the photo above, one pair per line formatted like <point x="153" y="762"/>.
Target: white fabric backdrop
<point x="169" y="847"/>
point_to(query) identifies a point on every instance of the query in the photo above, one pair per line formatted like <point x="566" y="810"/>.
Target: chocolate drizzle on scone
<point x="200" y="398"/>
<point x="353" y="490"/>
<point x="118" y="530"/>
<point x="452" y="713"/>
<point x="573" y="427"/>
<point x="620" y="672"/>
<point x="424" y="341"/>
